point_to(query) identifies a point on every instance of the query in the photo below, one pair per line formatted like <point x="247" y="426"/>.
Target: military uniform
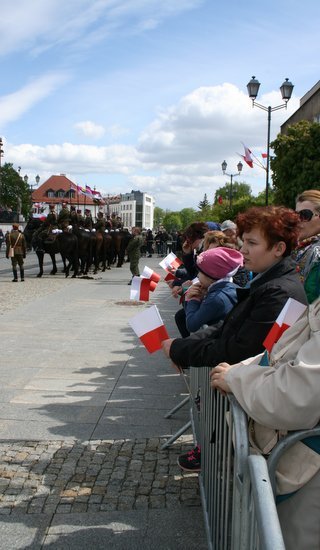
<point x="64" y="217"/>
<point x="17" y="241"/>
<point x="134" y="253"/>
<point x="73" y="216"/>
<point x="80" y="218"/>
<point x="100" y="224"/>
<point x="52" y="219"/>
<point x="88" y="221"/>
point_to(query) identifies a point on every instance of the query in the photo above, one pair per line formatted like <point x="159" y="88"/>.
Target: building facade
<point x="135" y="208"/>
<point x="59" y="189"/>
<point x="309" y="109"/>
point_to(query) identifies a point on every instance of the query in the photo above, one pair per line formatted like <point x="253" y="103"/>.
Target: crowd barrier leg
<point x="177" y="407"/>
<point x="176" y="435"/>
<point x="270" y="535"/>
<point x="186" y="426"/>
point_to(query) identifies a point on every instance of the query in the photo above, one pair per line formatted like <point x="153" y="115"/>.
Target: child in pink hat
<point x="208" y="301"/>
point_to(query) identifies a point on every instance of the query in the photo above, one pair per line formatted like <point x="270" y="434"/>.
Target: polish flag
<point x="169" y="277"/>
<point x="149" y="327"/>
<point x="140" y="288"/>
<point x="170" y="262"/>
<point x="289" y="314"/>
<point x="148" y="273"/>
<point x="247" y="156"/>
<point x="264" y="155"/>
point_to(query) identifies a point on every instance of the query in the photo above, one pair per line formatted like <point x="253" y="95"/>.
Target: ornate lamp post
<point x="286" y="92"/>
<point x="26" y="179"/>
<point x="224" y="168"/>
<point x="1" y="155"/>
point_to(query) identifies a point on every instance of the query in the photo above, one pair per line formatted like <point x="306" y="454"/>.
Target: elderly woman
<point x="307" y="254"/>
<point x="284" y="397"/>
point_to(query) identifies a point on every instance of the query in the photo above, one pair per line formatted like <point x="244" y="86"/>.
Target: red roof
<point x="60" y="183"/>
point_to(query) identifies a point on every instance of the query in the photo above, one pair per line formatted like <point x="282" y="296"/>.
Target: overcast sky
<point x="149" y="94"/>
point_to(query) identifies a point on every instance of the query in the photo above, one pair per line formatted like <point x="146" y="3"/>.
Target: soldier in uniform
<point x="52" y="219"/>
<point x="88" y="221"/>
<point x="119" y="224"/>
<point x="15" y="240"/>
<point x="73" y="216"/>
<point x="134" y="252"/>
<point x="113" y="221"/>
<point x="100" y="224"/>
<point x="108" y="222"/>
<point x="80" y="218"/>
<point x="64" y="216"/>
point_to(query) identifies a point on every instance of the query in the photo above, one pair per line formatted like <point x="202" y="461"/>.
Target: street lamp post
<point x="286" y="92"/>
<point x="26" y="179"/>
<point x="231" y="176"/>
<point x="1" y="155"/>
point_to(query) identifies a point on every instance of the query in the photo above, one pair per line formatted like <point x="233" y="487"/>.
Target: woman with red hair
<point x="269" y="235"/>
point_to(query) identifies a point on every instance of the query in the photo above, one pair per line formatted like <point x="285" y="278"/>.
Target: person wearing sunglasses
<point x="307" y="254"/>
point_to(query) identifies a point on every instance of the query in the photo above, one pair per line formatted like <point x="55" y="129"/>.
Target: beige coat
<point x="284" y="396"/>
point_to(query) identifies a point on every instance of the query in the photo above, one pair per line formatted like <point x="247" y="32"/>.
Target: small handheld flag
<point x="289" y="314"/>
<point x="170" y="262"/>
<point x="139" y="289"/>
<point x="150" y="328"/>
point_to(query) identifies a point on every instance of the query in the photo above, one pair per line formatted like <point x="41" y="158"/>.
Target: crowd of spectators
<point x="234" y="281"/>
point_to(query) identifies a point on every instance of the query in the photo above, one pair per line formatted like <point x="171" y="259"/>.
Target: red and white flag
<point x="140" y="288"/>
<point x="148" y="273"/>
<point x="170" y="262"/>
<point x="169" y="277"/>
<point x="149" y="327"/>
<point x="264" y="155"/>
<point x="289" y="314"/>
<point x="247" y="156"/>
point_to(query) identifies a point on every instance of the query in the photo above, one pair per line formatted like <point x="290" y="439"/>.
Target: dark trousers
<point x="180" y="319"/>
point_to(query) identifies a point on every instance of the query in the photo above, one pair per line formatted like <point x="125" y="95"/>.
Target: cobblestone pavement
<point x="64" y="477"/>
<point x="64" y="491"/>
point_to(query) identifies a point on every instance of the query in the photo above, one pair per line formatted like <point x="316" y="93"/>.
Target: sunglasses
<point x="306" y="215"/>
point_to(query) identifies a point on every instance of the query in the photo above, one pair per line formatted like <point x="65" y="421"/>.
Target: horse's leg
<point x="40" y="256"/>
<point x="75" y="264"/>
<point x="54" y="265"/>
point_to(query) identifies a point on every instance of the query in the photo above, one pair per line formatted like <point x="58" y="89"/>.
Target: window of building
<point x="50" y="193"/>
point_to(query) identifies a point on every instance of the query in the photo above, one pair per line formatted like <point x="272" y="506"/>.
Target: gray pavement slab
<point x="82" y="408"/>
<point x="24" y="532"/>
<point x="163" y="529"/>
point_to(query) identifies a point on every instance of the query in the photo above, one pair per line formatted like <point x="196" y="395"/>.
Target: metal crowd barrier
<point x="235" y="487"/>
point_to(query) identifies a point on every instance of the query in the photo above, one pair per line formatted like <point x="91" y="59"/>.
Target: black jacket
<point x="247" y="324"/>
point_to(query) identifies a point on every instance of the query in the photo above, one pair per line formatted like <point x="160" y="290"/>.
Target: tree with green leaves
<point x="172" y="221"/>
<point x="239" y="190"/>
<point x="296" y="164"/>
<point x="204" y="204"/>
<point x="14" y="191"/>
<point x="158" y="216"/>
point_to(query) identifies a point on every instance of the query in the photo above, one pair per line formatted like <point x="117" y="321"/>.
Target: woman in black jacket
<point x="269" y="235"/>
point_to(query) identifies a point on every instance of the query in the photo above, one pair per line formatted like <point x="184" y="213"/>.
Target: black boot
<point x="15" y="276"/>
<point x="22" y="273"/>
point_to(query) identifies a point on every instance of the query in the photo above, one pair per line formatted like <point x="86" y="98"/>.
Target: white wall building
<point x="135" y="208"/>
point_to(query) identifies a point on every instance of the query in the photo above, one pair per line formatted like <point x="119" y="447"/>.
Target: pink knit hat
<point x="218" y="262"/>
